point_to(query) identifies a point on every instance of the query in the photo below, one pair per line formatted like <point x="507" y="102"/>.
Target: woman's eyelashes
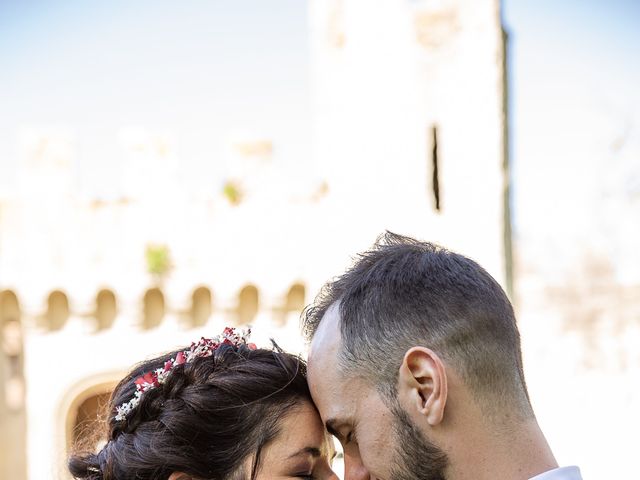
<point x="307" y="475"/>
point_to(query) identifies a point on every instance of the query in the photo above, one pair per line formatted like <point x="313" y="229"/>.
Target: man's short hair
<point x="404" y="292"/>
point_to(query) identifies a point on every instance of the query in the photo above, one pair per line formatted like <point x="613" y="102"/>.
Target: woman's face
<point x="302" y="450"/>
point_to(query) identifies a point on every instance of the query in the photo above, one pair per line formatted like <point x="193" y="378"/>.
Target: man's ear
<point x="422" y="384"/>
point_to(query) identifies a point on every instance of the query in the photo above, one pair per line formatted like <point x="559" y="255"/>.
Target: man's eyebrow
<point x="332" y="425"/>
<point x="313" y="451"/>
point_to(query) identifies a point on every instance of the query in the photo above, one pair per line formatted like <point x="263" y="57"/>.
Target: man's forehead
<point x="323" y="369"/>
<point x="327" y="339"/>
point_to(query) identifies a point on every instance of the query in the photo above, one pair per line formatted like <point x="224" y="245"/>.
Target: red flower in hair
<point x="146" y="380"/>
<point x="180" y="358"/>
<point x="203" y="348"/>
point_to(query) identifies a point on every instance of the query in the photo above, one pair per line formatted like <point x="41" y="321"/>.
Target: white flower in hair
<point x="203" y="348"/>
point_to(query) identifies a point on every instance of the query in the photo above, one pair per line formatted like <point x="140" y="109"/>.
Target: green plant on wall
<point x="232" y="192"/>
<point x="158" y="260"/>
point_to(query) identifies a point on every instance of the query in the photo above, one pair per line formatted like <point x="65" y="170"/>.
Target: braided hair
<point x="207" y="420"/>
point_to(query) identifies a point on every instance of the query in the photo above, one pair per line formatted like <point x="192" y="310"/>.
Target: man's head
<point x="408" y="330"/>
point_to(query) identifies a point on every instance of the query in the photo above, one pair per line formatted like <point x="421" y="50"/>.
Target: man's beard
<point x="415" y="458"/>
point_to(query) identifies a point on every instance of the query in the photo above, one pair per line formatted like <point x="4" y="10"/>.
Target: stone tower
<point x="410" y="114"/>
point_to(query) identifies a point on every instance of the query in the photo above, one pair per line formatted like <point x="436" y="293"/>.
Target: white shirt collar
<point x="564" y="473"/>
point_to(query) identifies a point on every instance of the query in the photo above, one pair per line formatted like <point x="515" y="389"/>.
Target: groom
<point x="415" y="366"/>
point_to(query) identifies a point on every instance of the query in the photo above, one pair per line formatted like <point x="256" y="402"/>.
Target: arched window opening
<point x="88" y="431"/>
<point x="248" y="304"/>
<point x="295" y="298"/>
<point x="11" y="348"/>
<point x="12" y="390"/>
<point x="57" y="310"/>
<point x="200" y="306"/>
<point x="153" y="308"/>
<point x="293" y="304"/>
<point x="9" y="307"/>
<point x="435" y="169"/>
<point x="106" y="309"/>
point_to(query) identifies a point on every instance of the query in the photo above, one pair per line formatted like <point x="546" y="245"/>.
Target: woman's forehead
<point x="302" y="428"/>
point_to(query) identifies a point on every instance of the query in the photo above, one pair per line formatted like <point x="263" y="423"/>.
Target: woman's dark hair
<point x="207" y="420"/>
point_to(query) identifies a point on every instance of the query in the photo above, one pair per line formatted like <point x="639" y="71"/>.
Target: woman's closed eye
<point x="303" y="470"/>
<point x="305" y="474"/>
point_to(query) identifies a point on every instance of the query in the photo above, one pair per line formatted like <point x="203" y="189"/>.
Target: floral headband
<point x="203" y="348"/>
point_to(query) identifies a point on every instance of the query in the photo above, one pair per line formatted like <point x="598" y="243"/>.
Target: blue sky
<point x="156" y="59"/>
<point x="575" y="72"/>
<point x="201" y="69"/>
<point x="228" y="65"/>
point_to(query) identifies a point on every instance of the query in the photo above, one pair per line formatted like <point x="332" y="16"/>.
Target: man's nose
<point x="354" y="469"/>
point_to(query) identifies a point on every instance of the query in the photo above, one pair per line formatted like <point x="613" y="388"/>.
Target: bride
<point x="219" y="410"/>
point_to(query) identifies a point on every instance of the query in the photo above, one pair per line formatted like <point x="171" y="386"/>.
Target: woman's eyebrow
<point x="313" y="451"/>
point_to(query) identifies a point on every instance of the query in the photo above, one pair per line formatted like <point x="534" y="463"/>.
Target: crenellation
<point x="151" y="309"/>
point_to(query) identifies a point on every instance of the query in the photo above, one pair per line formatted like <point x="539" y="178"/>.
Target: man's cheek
<point x="377" y="455"/>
